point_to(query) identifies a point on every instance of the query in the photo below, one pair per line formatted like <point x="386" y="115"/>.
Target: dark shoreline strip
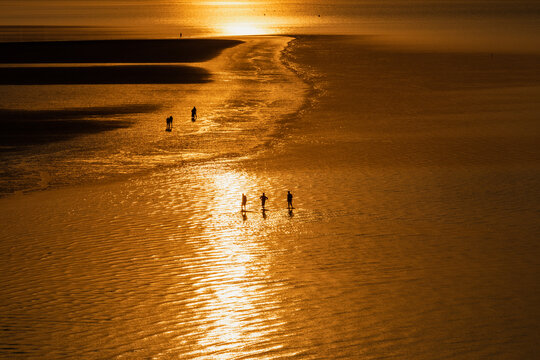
<point x="113" y="51"/>
<point x="128" y="74"/>
<point x="30" y="127"/>
<point x="74" y="113"/>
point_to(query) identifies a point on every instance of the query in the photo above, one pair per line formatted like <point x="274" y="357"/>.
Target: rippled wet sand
<point x="166" y="266"/>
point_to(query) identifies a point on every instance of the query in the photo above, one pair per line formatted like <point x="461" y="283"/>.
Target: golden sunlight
<point x="243" y="29"/>
<point x="225" y="3"/>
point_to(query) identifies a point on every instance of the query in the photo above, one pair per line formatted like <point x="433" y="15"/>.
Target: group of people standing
<point x="170" y="119"/>
<point x="263" y="198"/>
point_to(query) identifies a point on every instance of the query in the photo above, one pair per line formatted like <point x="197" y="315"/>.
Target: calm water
<point x="416" y="177"/>
<point x="476" y="24"/>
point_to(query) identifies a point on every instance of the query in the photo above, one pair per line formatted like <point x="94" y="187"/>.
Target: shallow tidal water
<point x="414" y="233"/>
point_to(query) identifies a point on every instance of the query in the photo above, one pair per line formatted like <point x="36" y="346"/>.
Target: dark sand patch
<point x="31" y="127"/>
<point x="113" y="51"/>
<point x="129" y="74"/>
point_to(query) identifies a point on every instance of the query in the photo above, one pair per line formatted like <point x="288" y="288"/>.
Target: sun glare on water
<point x="242" y="29"/>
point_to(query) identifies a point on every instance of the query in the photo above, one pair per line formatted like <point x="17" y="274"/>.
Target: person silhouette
<point x="244" y="202"/>
<point x="289" y="200"/>
<point x="169" y="123"/>
<point x="263" y="200"/>
<point x="194" y="114"/>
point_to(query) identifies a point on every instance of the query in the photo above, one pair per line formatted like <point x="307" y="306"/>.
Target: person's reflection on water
<point x="244" y="216"/>
<point x="264" y="214"/>
<point x="291" y="214"/>
<point x="244" y="202"/>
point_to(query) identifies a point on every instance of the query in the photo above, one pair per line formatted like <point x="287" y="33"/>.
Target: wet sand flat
<point x="230" y="109"/>
<point x="23" y="127"/>
<point x="414" y="233"/>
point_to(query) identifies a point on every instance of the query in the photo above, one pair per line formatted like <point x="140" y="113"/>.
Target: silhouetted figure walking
<point x="289" y="200"/>
<point x="169" y="123"/>
<point x="263" y="200"/>
<point x="194" y="114"/>
<point x="244" y="202"/>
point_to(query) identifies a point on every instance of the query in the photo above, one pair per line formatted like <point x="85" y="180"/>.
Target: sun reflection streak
<point x="238" y="312"/>
<point x="231" y="302"/>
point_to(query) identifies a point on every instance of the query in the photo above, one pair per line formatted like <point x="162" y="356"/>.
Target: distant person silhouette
<point x="169" y="124"/>
<point x="171" y="119"/>
<point x="263" y="200"/>
<point x="194" y="114"/>
<point x="289" y="200"/>
<point x="244" y="202"/>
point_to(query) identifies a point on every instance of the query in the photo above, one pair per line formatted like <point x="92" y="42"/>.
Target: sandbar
<point x="116" y="74"/>
<point x="114" y="51"/>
